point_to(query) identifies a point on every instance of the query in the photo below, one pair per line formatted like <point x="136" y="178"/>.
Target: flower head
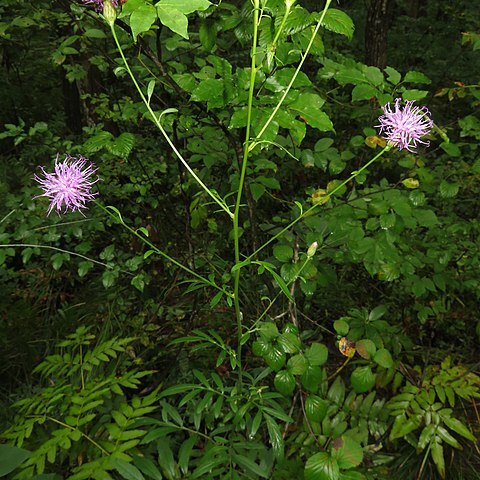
<point x="69" y="185"/>
<point x="405" y="126"/>
<point x="98" y="4"/>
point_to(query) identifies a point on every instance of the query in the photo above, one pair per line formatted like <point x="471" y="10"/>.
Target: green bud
<point x="312" y="249"/>
<point x="109" y="12"/>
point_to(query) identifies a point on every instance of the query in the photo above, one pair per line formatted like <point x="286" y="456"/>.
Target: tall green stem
<point x="156" y="120"/>
<point x="297" y="71"/>
<point x="246" y="149"/>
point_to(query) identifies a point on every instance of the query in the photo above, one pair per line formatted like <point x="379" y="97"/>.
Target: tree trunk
<point x="376" y="30"/>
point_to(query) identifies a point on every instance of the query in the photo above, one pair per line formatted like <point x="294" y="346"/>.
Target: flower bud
<point x="312" y="249"/>
<point x="109" y="12"/>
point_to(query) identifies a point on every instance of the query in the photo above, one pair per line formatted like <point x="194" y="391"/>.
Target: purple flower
<point x="70" y="184"/>
<point x="98" y="4"/>
<point x="405" y="126"/>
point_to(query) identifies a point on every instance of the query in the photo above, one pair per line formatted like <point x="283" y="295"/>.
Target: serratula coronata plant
<point x="69" y="187"/>
<point x="404" y="126"/>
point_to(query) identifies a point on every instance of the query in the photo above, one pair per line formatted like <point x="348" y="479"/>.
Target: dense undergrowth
<point x="320" y="325"/>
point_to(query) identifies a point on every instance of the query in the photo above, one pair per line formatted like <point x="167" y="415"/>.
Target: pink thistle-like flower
<point x="98" y="4"/>
<point x="405" y="126"/>
<point x="69" y="185"/>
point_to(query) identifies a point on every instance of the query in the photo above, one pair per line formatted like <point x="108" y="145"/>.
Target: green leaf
<point x="347" y="452"/>
<point x="275" y="358"/>
<point x="284" y="382"/>
<point x="185" y="452"/>
<point x="147" y="467"/>
<point x="175" y="20"/>
<point x="365" y="348"/>
<point x="322" y="466"/>
<point x="339" y="22"/>
<point x="142" y="19"/>
<point x="341" y="327"/>
<point x="283" y="253"/>
<point x="362" y="379"/>
<point x="84" y="267"/>
<point x="448" y="190"/>
<point x="289" y="342"/>
<point x="425" y="437"/>
<point x="126" y="470"/>
<point x="394" y="76"/>
<point x="336" y="393"/>
<point x="257" y="190"/>
<point x="458" y="427"/>
<point x="316" y="354"/>
<point x="437" y="457"/>
<point x="275" y="435"/>
<point x="166" y="460"/>
<point x="208" y="89"/>
<point x="447" y="438"/>
<point x="316" y="408"/>
<point x="297" y="364"/>
<point x="185" y="6"/>
<point x="309" y="106"/>
<point x="416" y="77"/>
<point x="363" y="92"/>
<point x="383" y="358"/>
<point x="11" y="458"/>
<point x="249" y="465"/>
<point x="312" y="378"/>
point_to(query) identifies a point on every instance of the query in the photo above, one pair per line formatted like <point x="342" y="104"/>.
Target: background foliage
<point x="359" y="362"/>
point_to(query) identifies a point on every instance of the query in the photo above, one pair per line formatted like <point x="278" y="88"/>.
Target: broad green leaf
<point x="365" y="348"/>
<point x="312" y="378"/>
<point x="448" y="190"/>
<point x="322" y="466"/>
<point x="289" y="342"/>
<point x="283" y="253"/>
<point x="339" y="22"/>
<point x="341" y="327"/>
<point x="175" y="20"/>
<point x="166" y="460"/>
<point x="316" y="408"/>
<point x="11" y="458"/>
<point x="363" y="92"/>
<point x="275" y="358"/>
<point x="297" y="364"/>
<point x="347" y="452"/>
<point x="142" y="19"/>
<point x="285" y="382"/>
<point x="394" y="76"/>
<point x="316" y="354"/>
<point x="362" y="379"/>
<point x="257" y="190"/>
<point x="416" y="77"/>
<point x="185" y="6"/>
<point x="185" y="451"/>
<point x="383" y="358"/>
<point x="309" y="106"/>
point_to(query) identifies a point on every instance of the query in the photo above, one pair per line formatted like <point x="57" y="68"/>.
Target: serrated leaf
<point x="339" y="22"/>
<point x="309" y="106"/>
<point x="275" y="436"/>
